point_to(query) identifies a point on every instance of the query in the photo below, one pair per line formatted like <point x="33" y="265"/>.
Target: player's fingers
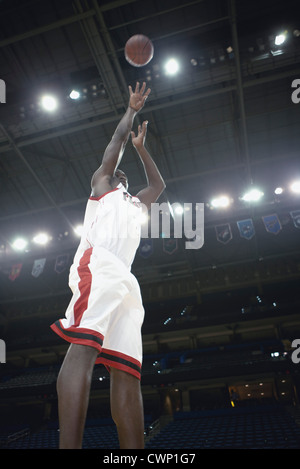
<point x="137" y="87"/>
<point x="145" y="123"/>
<point x="143" y="87"/>
<point x="130" y="90"/>
<point x="144" y="98"/>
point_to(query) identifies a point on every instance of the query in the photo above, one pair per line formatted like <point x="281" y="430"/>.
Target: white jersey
<point x="106" y="310"/>
<point x="112" y="221"/>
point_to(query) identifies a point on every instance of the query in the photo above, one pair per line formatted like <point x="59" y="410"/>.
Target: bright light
<point x="278" y="190"/>
<point x="280" y="38"/>
<point x="143" y="218"/>
<point x="178" y="210"/>
<point x="252" y="196"/>
<point x="19" y="244"/>
<point x="220" y="202"/>
<point x="171" y="67"/>
<point x="49" y="103"/>
<point x="41" y="238"/>
<point x="78" y="230"/>
<point x="74" y="94"/>
<point x="295" y="187"/>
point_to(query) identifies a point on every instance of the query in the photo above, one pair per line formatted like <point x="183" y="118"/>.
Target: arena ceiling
<point x="224" y="123"/>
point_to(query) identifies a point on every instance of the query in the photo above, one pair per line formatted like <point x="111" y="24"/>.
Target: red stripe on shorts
<point x="111" y="358"/>
<point x="79" y="335"/>
<point x="84" y="286"/>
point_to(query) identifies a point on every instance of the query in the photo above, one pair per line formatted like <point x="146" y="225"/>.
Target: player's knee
<point x="125" y="396"/>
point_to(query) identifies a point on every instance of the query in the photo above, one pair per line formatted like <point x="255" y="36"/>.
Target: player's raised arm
<point x="156" y="184"/>
<point x="114" y="151"/>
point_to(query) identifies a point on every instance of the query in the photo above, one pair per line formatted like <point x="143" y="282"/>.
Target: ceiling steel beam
<point x="62" y="22"/>
<point x="154" y="107"/>
<point x="171" y="180"/>
<point x="18" y="152"/>
<point x="240" y="90"/>
<point x="97" y="49"/>
<point x="46" y="28"/>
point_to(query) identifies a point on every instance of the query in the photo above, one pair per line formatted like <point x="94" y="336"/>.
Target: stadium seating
<point x="261" y="427"/>
<point x="265" y="427"/>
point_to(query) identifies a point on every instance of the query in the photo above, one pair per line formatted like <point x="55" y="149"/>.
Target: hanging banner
<point x="223" y="233"/>
<point x="272" y="223"/>
<point x="15" y="271"/>
<point x="61" y="263"/>
<point x="296" y="218"/>
<point x="146" y="248"/>
<point x="246" y="228"/>
<point x="38" y="267"/>
<point x="170" y="245"/>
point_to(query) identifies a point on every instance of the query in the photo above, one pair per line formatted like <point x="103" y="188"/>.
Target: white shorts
<point x="106" y="311"/>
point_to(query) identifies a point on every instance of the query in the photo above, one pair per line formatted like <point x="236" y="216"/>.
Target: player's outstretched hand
<point x="139" y="140"/>
<point x="138" y="97"/>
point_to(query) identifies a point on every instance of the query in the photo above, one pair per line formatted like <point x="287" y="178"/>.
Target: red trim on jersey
<point x="100" y="197"/>
<point x="84" y="286"/>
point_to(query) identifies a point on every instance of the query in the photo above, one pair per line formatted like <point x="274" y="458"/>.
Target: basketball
<point x="139" y="50"/>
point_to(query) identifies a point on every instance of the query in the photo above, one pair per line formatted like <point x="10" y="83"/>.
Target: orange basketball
<point x="139" y="50"/>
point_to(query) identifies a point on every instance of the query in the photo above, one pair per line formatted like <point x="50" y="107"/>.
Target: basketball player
<point x="104" y="318"/>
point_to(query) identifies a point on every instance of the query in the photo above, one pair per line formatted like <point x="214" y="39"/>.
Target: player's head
<point x="118" y="177"/>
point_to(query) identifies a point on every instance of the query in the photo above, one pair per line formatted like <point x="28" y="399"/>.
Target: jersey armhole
<point x="100" y="196"/>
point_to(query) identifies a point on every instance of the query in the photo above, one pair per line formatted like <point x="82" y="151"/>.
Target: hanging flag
<point x="296" y="218"/>
<point x="15" y="271"/>
<point x="61" y="263"/>
<point x="223" y="233"/>
<point x="146" y="248"/>
<point x="38" y="267"/>
<point x="246" y="228"/>
<point x="272" y="223"/>
<point x="170" y="245"/>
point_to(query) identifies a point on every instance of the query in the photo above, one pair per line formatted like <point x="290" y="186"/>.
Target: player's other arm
<point x="156" y="184"/>
<point x="101" y="180"/>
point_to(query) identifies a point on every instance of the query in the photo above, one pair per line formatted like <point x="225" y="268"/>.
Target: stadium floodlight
<point x="78" y="230"/>
<point x="49" y="103"/>
<point x="280" y="39"/>
<point x="19" y="244"/>
<point x="41" y="238"/>
<point x="253" y="195"/>
<point x="278" y="190"/>
<point x="220" y="202"/>
<point x="171" y="67"/>
<point x="295" y="187"/>
<point x="74" y="94"/>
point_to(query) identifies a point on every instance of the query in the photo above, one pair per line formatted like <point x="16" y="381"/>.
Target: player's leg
<point x="127" y="409"/>
<point x="73" y="388"/>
